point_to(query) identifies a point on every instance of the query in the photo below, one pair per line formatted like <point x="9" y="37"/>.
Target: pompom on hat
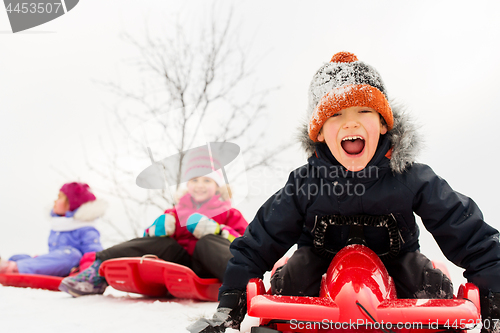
<point x="342" y="83"/>
<point x="77" y="194"/>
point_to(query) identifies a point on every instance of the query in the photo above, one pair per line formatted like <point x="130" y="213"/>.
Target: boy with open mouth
<point x="352" y="128"/>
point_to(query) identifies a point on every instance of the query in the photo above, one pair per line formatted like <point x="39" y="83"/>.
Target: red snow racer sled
<point x="39" y="281"/>
<point x="358" y="295"/>
<point x="158" y="278"/>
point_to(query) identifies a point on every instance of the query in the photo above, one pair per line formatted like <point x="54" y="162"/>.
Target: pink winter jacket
<point x="216" y="209"/>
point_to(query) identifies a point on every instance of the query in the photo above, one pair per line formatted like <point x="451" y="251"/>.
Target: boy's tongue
<point x="353" y="147"/>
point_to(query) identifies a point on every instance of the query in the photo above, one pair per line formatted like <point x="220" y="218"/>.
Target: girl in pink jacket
<point x="196" y="232"/>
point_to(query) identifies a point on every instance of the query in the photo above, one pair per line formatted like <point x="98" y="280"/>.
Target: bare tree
<point x="195" y="77"/>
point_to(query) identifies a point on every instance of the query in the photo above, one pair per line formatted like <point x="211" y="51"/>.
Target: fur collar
<point x="91" y="210"/>
<point x="405" y="141"/>
<point x="62" y="223"/>
<point x="86" y="216"/>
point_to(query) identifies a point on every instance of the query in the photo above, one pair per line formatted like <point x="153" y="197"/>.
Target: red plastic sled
<point x="158" y="278"/>
<point x="38" y="281"/>
<point x="358" y="295"/>
<point x="31" y="281"/>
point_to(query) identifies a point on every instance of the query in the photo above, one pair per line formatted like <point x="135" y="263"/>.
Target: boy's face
<point x="352" y="136"/>
<point x="201" y="188"/>
<point x="61" y="204"/>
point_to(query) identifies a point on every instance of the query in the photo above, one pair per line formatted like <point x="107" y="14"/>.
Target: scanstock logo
<point x="28" y="14"/>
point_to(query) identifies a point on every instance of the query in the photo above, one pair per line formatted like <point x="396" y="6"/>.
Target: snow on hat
<point x="342" y="83"/>
<point x="198" y="163"/>
<point x="77" y="194"/>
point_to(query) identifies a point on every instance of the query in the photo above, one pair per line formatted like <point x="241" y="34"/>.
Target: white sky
<point x="440" y="58"/>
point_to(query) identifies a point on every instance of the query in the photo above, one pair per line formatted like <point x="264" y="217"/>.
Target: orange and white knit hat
<point x="342" y="83"/>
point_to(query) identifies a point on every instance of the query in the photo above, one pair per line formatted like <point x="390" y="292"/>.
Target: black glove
<point x="490" y="312"/>
<point x="230" y="313"/>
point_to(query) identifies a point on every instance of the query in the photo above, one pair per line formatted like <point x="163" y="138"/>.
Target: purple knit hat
<point x="78" y="194"/>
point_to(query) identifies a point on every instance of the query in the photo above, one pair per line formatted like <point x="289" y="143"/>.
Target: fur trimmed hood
<point x="405" y="141"/>
<point x="91" y="210"/>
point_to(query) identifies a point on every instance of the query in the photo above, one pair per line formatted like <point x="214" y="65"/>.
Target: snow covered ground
<point x="34" y="310"/>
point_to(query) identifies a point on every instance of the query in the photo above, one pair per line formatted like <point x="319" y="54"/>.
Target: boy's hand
<point x="200" y="225"/>
<point x="230" y="313"/>
<point x="162" y="226"/>
<point x="490" y="313"/>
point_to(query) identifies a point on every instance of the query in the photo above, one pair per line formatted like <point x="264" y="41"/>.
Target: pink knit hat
<point x="78" y="194"/>
<point x="199" y="163"/>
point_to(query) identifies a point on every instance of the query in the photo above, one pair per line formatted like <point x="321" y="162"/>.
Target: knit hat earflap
<point x="342" y="83"/>
<point x="77" y="194"/>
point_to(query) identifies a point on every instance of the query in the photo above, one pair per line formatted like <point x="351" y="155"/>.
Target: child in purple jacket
<point x="72" y="234"/>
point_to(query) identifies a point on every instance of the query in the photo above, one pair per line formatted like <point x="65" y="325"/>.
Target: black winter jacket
<point x="323" y="187"/>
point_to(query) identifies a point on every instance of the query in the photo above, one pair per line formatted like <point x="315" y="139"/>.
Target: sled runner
<point x="358" y="295"/>
<point x="158" y="278"/>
